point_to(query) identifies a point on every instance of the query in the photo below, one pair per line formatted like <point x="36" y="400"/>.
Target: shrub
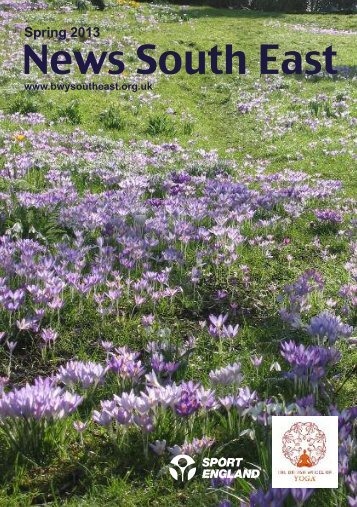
<point x="160" y="124"/>
<point x="277" y="5"/>
<point x="111" y="119"/>
<point x="81" y="5"/>
<point x="280" y="5"/>
<point x="99" y="4"/>
<point x="296" y="5"/>
<point x="23" y="104"/>
<point x="188" y="128"/>
<point x="70" y="113"/>
<point x="331" y="5"/>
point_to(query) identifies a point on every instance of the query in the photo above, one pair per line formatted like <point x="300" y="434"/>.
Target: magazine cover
<point x="178" y="253"/>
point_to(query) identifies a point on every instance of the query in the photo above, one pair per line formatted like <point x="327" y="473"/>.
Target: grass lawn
<point x="212" y="183"/>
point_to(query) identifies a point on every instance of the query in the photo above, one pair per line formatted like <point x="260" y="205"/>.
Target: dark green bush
<point x="160" y="125"/>
<point x="99" y="4"/>
<point x="70" y="113"/>
<point x="280" y="5"/>
<point x="276" y="5"/>
<point x="111" y="119"/>
<point x="332" y="5"/>
<point x="23" y="104"/>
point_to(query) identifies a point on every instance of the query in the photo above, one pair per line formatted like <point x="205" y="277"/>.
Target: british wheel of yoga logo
<point x="304" y="444"/>
<point x="181" y="467"/>
<point x="305" y="452"/>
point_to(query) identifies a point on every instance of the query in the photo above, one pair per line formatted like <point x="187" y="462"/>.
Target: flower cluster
<point x="140" y="409"/>
<point x="329" y="215"/>
<point x="308" y="364"/>
<point x="182" y="254"/>
<point x="42" y="400"/>
<point x="297" y="294"/>
<point x="86" y="374"/>
<point x="230" y="374"/>
<point x="124" y="363"/>
<point x="197" y="446"/>
<point x="328" y="326"/>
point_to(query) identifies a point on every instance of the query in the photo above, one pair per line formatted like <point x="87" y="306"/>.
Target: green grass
<point x="210" y="100"/>
<point x="205" y="116"/>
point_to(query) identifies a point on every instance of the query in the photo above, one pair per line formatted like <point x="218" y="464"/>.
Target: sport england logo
<point x="184" y="468"/>
<point x="305" y="452"/>
<point x="182" y="463"/>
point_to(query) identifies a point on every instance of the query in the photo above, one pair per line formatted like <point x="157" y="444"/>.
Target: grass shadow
<point x="213" y="12"/>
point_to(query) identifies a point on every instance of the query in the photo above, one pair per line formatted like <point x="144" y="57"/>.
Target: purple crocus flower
<point x="187" y="402"/>
<point x="308" y="363"/>
<point x="79" y="426"/>
<point x="42" y="400"/>
<point x="245" y="399"/>
<point x="328" y="215"/>
<point x="230" y="374"/>
<point x="84" y="373"/>
<point x="147" y="320"/>
<point x="225" y="503"/>
<point x="351" y="483"/>
<point x="48" y="335"/>
<point x="159" y="447"/>
<point x="256" y="361"/>
<point x="329" y="326"/>
<point x="301" y="495"/>
<point x="273" y="497"/>
<point x="222" y="482"/>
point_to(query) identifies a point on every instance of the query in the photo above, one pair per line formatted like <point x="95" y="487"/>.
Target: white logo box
<point x="305" y="452"/>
